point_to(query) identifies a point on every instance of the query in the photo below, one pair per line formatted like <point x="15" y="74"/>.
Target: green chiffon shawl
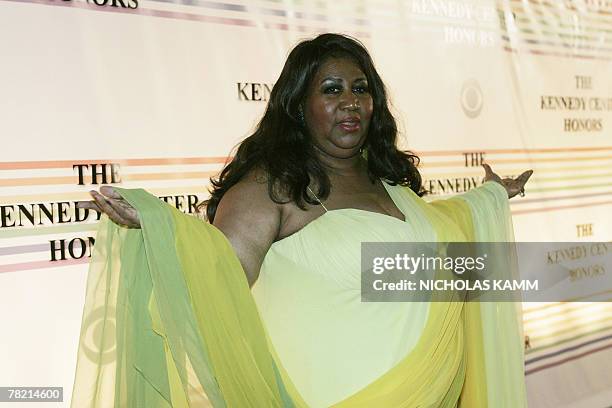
<point x="170" y="321"/>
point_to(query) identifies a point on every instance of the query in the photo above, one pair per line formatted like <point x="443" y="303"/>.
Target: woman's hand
<point x="512" y="186"/>
<point x="112" y="204"/>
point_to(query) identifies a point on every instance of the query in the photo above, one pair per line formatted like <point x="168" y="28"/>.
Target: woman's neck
<point x="346" y="166"/>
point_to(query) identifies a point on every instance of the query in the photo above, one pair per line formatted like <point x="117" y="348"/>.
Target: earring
<point x="300" y="116"/>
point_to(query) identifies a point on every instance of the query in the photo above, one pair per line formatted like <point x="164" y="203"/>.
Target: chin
<point x="349" y="142"/>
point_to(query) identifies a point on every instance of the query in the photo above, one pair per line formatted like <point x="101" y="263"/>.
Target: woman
<point x="320" y="175"/>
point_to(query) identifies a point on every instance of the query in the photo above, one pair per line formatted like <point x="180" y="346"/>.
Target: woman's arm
<point x="250" y="220"/>
<point x="246" y="215"/>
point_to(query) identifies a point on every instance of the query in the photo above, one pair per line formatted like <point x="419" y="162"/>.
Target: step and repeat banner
<point x="155" y="94"/>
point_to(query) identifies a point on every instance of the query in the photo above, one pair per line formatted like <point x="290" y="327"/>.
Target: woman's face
<point x="338" y="108"/>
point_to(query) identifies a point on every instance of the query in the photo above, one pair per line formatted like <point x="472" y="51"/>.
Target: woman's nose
<point x="351" y="102"/>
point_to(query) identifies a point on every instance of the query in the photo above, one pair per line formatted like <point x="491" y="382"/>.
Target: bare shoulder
<point x="250" y="220"/>
<point x="248" y="198"/>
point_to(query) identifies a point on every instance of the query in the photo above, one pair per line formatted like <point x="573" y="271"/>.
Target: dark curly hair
<point x="282" y="148"/>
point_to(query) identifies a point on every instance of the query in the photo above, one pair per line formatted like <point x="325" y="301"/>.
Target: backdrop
<point x="154" y="94"/>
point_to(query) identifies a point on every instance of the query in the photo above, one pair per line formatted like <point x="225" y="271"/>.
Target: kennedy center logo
<point x="471" y="98"/>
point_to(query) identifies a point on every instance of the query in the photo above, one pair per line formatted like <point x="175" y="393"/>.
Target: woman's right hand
<point x="112" y="204"/>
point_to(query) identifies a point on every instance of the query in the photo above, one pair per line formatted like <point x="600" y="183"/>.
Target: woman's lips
<point x="350" y="125"/>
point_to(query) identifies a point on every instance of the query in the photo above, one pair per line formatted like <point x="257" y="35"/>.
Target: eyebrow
<point x="335" y="78"/>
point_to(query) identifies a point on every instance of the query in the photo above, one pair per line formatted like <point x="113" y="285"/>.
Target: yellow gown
<point x="169" y="318"/>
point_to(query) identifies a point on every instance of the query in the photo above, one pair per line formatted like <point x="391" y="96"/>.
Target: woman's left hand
<point x="512" y="186"/>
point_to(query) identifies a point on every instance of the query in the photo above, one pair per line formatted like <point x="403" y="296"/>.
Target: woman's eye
<point x="331" y="89"/>
<point x="360" y="89"/>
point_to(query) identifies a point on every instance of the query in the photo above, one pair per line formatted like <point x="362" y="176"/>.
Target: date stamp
<point x="30" y="394"/>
